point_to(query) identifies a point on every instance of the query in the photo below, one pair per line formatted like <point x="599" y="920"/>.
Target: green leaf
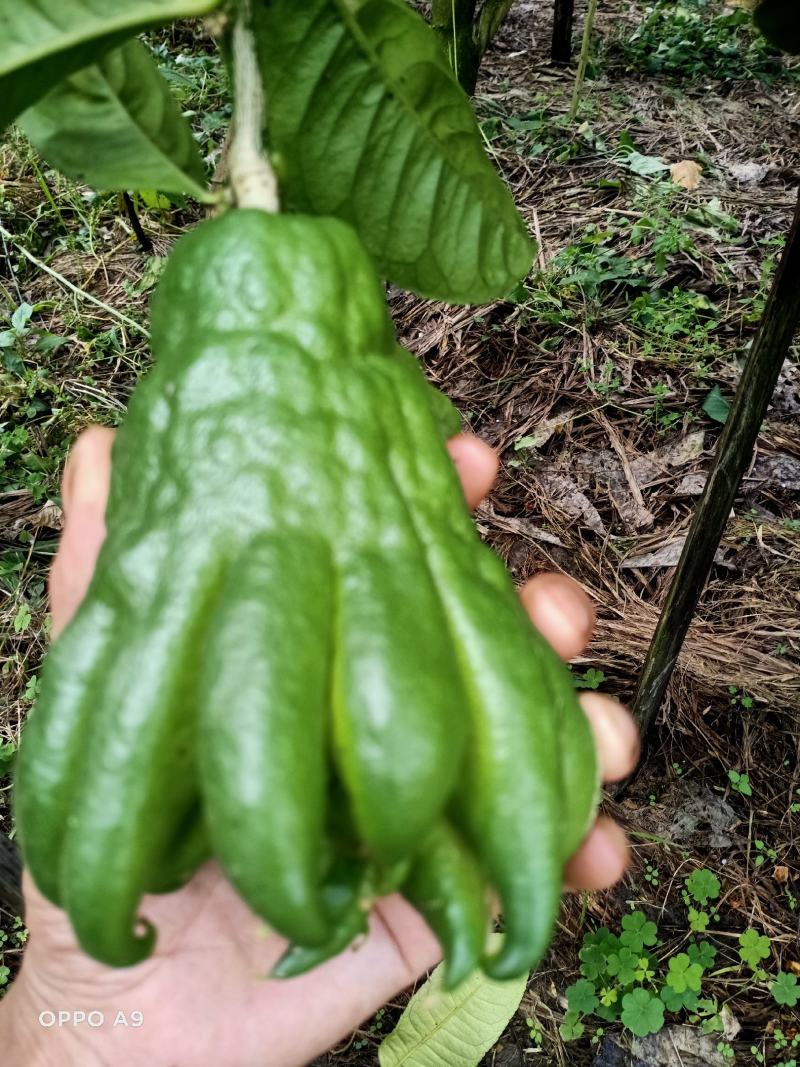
<point x="683" y="974"/>
<point x="571" y="1029"/>
<point x="753" y="947"/>
<point x="368" y="123"/>
<point x="7" y="753"/>
<point x="741" y="783"/>
<point x="21" y="317"/>
<point x="593" y="961"/>
<point x="785" y="990"/>
<point x="703" y="953"/>
<point x="116" y="126"/>
<point x="646" y="166"/>
<point x="678" y="1001"/>
<point x="623" y="966"/>
<point x="581" y="997"/>
<point x="716" y="406"/>
<point x="698" y="921"/>
<point x="703" y="885"/>
<point x="455" y="1027"/>
<point x="637" y="931"/>
<point x="591" y="679"/>
<point x="45" y="41"/>
<point x="642" y="1012"/>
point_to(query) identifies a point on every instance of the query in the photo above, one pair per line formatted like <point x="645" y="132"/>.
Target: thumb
<point x="84" y="492"/>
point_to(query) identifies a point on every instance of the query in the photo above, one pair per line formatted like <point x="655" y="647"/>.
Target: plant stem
<point x="145" y="243"/>
<point x="252" y="177"/>
<point x="563" y="14"/>
<point x="580" y="77"/>
<point x="734" y="450"/>
<point x="493" y="15"/>
<point x="454" y="23"/>
<point x="46" y="189"/>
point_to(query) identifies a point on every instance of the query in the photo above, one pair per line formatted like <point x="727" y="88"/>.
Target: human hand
<point x="203" y="996"/>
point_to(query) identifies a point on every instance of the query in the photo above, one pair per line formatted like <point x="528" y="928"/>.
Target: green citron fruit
<point x="292" y="603"/>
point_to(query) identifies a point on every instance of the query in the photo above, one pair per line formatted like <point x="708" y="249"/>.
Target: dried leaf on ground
<point x="687" y="174"/>
<point x="779" y="472"/>
<point x="511" y="524"/>
<point x="666" y="556"/>
<point x="565" y="495"/>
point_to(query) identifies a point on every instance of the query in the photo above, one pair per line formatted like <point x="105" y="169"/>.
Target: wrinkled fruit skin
<point x="292" y="599"/>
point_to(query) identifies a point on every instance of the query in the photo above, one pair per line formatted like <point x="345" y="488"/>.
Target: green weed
<point x="694" y="39"/>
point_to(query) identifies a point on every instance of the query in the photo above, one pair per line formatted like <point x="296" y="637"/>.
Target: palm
<point x="206" y="980"/>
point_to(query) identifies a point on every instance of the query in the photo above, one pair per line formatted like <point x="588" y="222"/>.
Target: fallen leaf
<point x="691" y="485"/>
<point x="747" y="173"/>
<point x="666" y="556"/>
<point x="521" y="527"/>
<point x="778" y="472"/>
<point x="544" y="430"/>
<point x="678" y="1046"/>
<point x="566" y="495"/>
<point x="687" y="174"/>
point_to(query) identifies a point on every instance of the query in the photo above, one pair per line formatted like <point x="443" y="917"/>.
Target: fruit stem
<point x="252" y="178"/>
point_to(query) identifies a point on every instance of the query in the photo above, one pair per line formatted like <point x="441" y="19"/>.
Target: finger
<point x="477" y="465"/>
<point x="560" y="611"/>
<point x="88" y="470"/>
<point x="601" y="860"/>
<point x="84" y="493"/>
<point x="615" y="734"/>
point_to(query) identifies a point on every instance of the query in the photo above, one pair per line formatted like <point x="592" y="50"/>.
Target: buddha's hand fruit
<point x="292" y="604"/>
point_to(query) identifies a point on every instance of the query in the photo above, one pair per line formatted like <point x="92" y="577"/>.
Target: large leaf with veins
<point x="115" y="125"/>
<point x="367" y="123"/>
<point x="43" y="41"/>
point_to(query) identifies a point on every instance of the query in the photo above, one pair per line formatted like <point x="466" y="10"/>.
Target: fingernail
<point x="572" y="604"/>
<point x="615" y="734"/>
<point x="601" y="860"/>
<point x="88" y="486"/>
<point x="610" y="849"/>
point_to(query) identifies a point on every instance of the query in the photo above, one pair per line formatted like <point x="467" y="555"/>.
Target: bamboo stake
<point x="580" y="77"/>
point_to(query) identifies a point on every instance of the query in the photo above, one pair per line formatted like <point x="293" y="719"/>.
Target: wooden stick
<point x="733" y="454"/>
<point x="563" y="16"/>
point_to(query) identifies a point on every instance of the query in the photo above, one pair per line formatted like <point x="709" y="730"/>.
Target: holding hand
<point x="202" y="995"/>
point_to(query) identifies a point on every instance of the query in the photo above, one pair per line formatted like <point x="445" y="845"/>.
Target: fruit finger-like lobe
<point x="137" y="778"/>
<point x="187" y="852"/>
<point x="53" y="740"/>
<point x="398" y="703"/>
<point x="346" y="898"/>
<point x="264" y="710"/>
<point x="580" y="768"/>
<point x="528" y="740"/>
<point x="446" y="886"/>
<point x="510" y="800"/>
